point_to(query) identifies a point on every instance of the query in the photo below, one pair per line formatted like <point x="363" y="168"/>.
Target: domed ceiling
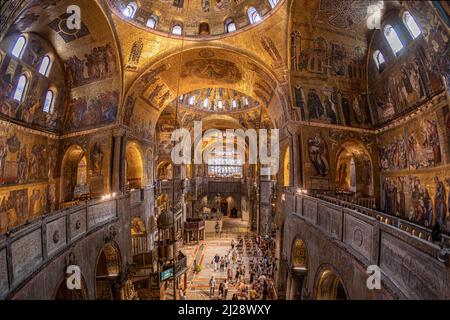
<point x="196" y="17"/>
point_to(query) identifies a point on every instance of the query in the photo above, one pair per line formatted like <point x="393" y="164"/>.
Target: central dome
<point x="194" y="18"/>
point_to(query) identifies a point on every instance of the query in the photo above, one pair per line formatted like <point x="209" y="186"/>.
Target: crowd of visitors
<point x="252" y="277"/>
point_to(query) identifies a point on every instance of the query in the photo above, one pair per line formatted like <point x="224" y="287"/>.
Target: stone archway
<point x="107" y="271"/>
<point x="139" y="240"/>
<point x="74" y="174"/>
<point x="329" y="285"/>
<point x="134" y="172"/>
<point x="298" y="270"/>
<point x="64" y="293"/>
<point x="354" y="170"/>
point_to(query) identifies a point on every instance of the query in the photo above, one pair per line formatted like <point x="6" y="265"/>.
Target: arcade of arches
<point x="88" y="169"/>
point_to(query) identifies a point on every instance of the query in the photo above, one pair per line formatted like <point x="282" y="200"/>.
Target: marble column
<point x="118" y="172"/>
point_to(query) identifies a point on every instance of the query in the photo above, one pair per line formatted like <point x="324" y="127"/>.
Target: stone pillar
<point x="295" y="285"/>
<point x="265" y="206"/>
<point x="118" y="165"/>
<point x="288" y="286"/>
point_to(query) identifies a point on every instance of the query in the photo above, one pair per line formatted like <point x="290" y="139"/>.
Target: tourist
<point x="222" y="263"/>
<point x="216" y="262"/>
<point x="221" y="289"/>
<point x="234" y="257"/>
<point x="225" y="289"/>
<point x="227" y="261"/>
<point x="232" y="244"/>
<point x="230" y="274"/>
<point x="265" y="291"/>
<point x="182" y="295"/>
<point x="212" y="285"/>
<point x="235" y="297"/>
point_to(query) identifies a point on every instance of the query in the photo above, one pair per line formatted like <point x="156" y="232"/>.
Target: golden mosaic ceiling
<point x="197" y="17"/>
<point x="216" y="100"/>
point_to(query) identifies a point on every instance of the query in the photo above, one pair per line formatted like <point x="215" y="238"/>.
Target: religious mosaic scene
<point x="224" y="150"/>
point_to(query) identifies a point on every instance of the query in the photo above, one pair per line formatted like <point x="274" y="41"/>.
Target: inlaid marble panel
<point x="101" y="213"/>
<point x="418" y="275"/>
<point x="310" y="210"/>
<point x="135" y="197"/>
<point x="56" y="235"/>
<point x="77" y="224"/>
<point x="26" y="254"/>
<point x="299" y="205"/>
<point x="3" y="273"/>
<point x="359" y="235"/>
<point x="329" y="220"/>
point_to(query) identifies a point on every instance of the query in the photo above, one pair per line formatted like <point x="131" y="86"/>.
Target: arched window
<point x="205" y="103"/>
<point x="378" y="58"/>
<point x="220" y="104"/>
<point x="130" y="10"/>
<point x="152" y="22"/>
<point x="44" y="68"/>
<point x="233" y="104"/>
<point x="245" y="100"/>
<point x="253" y="15"/>
<point x="48" y="101"/>
<point x="21" y="88"/>
<point x="273" y="3"/>
<point x="230" y="26"/>
<point x="82" y="171"/>
<point x="203" y="29"/>
<point x="177" y="30"/>
<point x="19" y="46"/>
<point x="411" y="25"/>
<point x="393" y="39"/>
<point x="192" y="100"/>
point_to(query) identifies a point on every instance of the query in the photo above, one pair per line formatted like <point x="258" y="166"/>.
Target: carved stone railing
<point x="225" y="186"/>
<point x="407" y="259"/>
<point x="194" y="224"/>
<point x="28" y="248"/>
<point x="405" y="225"/>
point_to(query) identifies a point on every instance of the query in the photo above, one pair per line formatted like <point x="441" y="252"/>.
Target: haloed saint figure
<point x="318" y="154"/>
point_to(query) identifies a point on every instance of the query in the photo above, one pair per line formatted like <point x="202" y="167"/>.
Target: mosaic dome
<point x="194" y="18"/>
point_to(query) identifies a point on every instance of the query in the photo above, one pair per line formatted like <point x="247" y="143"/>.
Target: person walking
<point x="225" y="289"/>
<point x="222" y="263"/>
<point x="252" y="276"/>
<point x="227" y="261"/>
<point x="221" y="289"/>
<point x="237" y="274"/>
<point x="229" y="273"/>
<point x="216" y="262"/>
<point x="212" y="286"/>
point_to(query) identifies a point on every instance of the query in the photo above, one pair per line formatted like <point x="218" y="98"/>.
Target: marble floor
<point x="198" y="283"/>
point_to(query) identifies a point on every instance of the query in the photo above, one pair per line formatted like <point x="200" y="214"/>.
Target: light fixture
<point x="109" y="196"/>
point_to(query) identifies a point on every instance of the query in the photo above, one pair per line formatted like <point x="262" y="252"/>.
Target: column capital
<point x="119" y="132"/>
